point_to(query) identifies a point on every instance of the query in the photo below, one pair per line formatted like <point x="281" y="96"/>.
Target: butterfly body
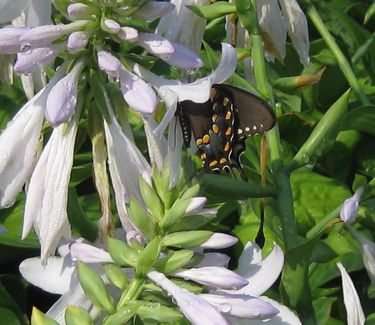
<point x="221" y="125"/>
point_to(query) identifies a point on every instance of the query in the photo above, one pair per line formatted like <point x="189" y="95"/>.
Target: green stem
<point x="134" y="290"/>
<point x="322" y="224"/>
<point x="284" y="203"/>
<point x="340" y="57"/>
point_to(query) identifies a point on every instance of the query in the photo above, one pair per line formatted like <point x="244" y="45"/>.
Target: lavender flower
<point x="349" y="210"/>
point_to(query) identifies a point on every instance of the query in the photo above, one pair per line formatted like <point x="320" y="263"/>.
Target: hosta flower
<point x="276" y="24"/>
<point x="10" y="9"/>
<point x="355" y="315"/>
<point x="173" y="25"/>
<point x="126" y="166"/>
<point x="46" y="201"/>
<point x="19" y="145"/>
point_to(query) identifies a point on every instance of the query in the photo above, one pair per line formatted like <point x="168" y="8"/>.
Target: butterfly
<point x="221" y="125"/>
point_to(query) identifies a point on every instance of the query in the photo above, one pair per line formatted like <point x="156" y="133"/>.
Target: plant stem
<point x="340" y="57"/>
<point x="134" y="290"/>
<point x="284" y="203"/>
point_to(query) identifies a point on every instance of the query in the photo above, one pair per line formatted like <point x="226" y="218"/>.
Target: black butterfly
<point x="221" y="125"/>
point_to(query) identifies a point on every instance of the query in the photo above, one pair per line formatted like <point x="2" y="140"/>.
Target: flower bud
<point x="213" y="276"/>
<point x="128" y="34"/>
<point x="109" y="63"/>
<point x="110" y="26"/>
<point x="80" y="11"/>
<point x="219" y="240"/>
<point x="62" y="100"/>
<point x="10" y="39"/>
<point x="349" y="210"/>
<point x="137" y="93"/>
<point x="34" y="59"/>
<point x="155" y="44"/>
<point x="77" y="41"/>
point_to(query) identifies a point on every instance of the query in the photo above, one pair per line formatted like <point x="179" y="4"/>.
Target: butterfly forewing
<point x="221" y="125"/>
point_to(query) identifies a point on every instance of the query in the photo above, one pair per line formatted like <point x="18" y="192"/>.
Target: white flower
<point x="368" y="253"/>
<point x="355" y="315"/>
<point x="276" y="24"/>
<point x="10" y="9"/>
<point x="18" y="145"/>
<point x="261" y="273"/>
<point x="126" y="166"/>
<point x="46" y="200"/>
<point x="174" y="25"/>
<point x="196" y="309"/>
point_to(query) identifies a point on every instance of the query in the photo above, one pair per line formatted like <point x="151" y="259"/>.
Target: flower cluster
<point x="171" y="254"/>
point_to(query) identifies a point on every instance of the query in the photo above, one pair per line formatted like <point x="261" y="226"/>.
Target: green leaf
<point x="361" y="119"/>
<point x="323" y="308"/>
<point x="315" y="196"/>
<point x="159" y="313"/>
<point x="77" y="316"/>
<point x="123" y="314"/>
<point x="215" y="10"/>
<point x="175" y="213"/>
<point x="85" y="227"/>
<point x="295" y="286"/>
<point x="94" y="288"/>
<point x="8" y="317"/>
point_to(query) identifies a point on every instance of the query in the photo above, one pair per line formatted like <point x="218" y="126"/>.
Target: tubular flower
<point x="47" y="196"/>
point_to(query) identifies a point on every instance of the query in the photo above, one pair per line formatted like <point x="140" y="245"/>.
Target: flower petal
<point x="196" y="309"/>
<point x="55" y="277"/>
<point x="47" y="196"/>
<point x="183" y="58"/>
<point x="219" y="240"/>
<point x="214" y="259"/>
<point x="18" y="145"/>
<point x="89" y="253"/>
<point x="242" y="306"/>
<point x="213" y="276"/>
<point x="153" y="10"/>
<point x="355" y="315"/>
<point x="10" y="9"/>
<point x="263" y="274"/>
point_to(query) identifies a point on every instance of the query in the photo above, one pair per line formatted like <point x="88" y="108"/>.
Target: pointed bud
<point x="137" y="93"/>
<point x="155" y="44"/>
<point x="109" y="63"/>
<point x="110" y="26"/>
<point x="62" y="100"/>
<point x="37" y="58"/>
<point x="242" y="306"/>
<point x="219" y="240"/>
<point x="77" y="41"/>
<point x="349" y="210"/>
<point x="81" y="11"/>
<point x="196" y="204"/>
<point x="215" y="277"/>
<point x="128" y="34"/>
<point x="46" y="34"/>
<point x="89" y="254"/>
